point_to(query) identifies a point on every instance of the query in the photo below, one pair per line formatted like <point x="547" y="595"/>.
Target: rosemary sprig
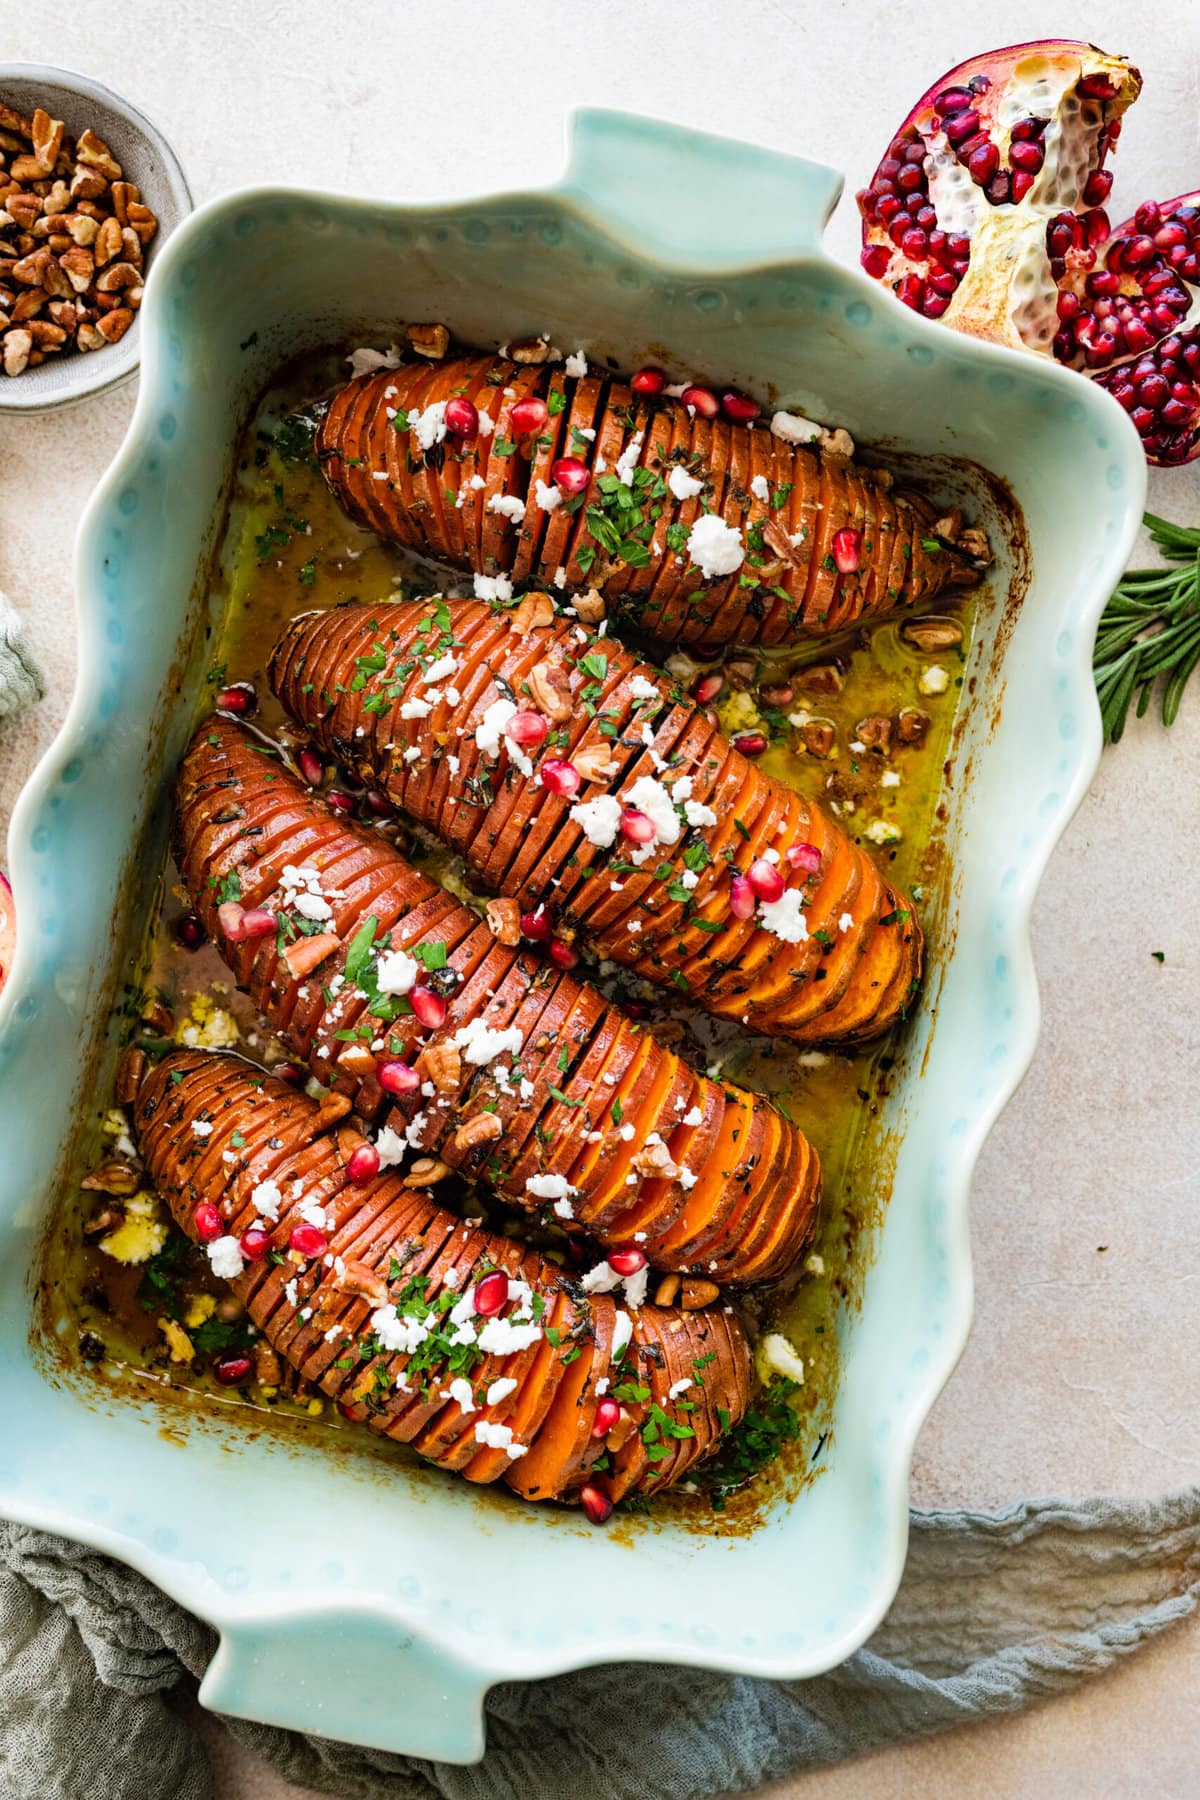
<point x="1150" y="630"/>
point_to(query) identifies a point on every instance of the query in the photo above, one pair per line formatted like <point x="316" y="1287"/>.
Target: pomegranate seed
<point x="231" y="1371"/>
<point x="1137" y="335"/>
<point x="490" y="1294"/>
<point x="428" y="1008"/>
<point x="952" y="101"/>
<point x="239" y="698"/>
<point x="637" y="827"/>
<point x="1095" y="87"/>
<point x="1022" y="181"/>
<point x="363" y="1166"/>
<point x="607" y="1414"/>
<point x="311" y="767"/>
<point x="707" y="687"/>
<point x="535" y="925"/>
<point x="529" y="415"/>
<point x="397" y="1078"/>
<point x="1171" y="237"/>
<point x="207" y="1222"/>
<point x="1142" y="418"/>
<point x="750" y="743"/>
<point x="255" y="1244"/>
<point x="462" y="417"/>
<point x="742" y="899"/>
<point x="527" y="729"/>
<point x="1096" y="225"/>
<point x="340" y="800"/>
<point x="875" y="260"/>
<point x="1176" y="413"/>
<point x="911" y="290"/>
<point x="983" y="163"/>
<point x="964" y="125"/>
<point x="291" y="1072"/>
<point x="1154" y="390"/>
<point x="648" y="381"/>
<point x="377" y="804"/>
<point x="1097" y="187"/>
<point x="627" y="1262"/>
<point x="1028" y="156"/>
<point x="914" y="243"/>
<point x="241" y="924"/>
<point x="934" y="305"/>
<point x="943" y="283"/>
<point x="1138" y="252"/>
<point x="910" y="179"/>
<point x="570" y="476"/>
<point x="562" y="954"/>
<point x="596" y="1503"/>
<point x="847" y="549"/>
<point x="306" y="1240"/>
<point x="739" y="407"/>
<point x="1068" y="305"/>
<point x="701" y="400"/>
<point x="561" y="778"/>
<point x="765" y="879"/>
<point x="189" y="931"/>
<point x="803" y="856"/>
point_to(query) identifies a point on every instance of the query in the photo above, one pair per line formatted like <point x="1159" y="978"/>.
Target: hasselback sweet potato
<point x="794" y="543"/>
<point x="531" y="1081"/>
<point x="415" y="697"/>
<point x="371" y="1291"/>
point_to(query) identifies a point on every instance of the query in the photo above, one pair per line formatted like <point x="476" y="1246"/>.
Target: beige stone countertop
<point x="1081" y="1371"/>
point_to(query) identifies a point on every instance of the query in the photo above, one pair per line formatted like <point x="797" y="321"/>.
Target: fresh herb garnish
<point x="1150" y="629"/>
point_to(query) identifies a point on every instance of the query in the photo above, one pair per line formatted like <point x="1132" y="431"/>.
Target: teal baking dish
<point x="364" y="1601"/>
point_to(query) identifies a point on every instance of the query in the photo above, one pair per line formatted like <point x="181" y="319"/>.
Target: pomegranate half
<point x="988" y="212"/>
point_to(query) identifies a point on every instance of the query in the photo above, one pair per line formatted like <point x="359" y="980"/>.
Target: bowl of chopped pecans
<point x="89" y="189"/>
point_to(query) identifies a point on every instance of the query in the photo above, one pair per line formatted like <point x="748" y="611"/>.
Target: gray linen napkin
<point x="21" y="681"/>
<point x="996" y="1611"/>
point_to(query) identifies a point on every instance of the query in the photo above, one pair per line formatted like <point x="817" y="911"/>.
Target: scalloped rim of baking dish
<point x="415" y="1660"/>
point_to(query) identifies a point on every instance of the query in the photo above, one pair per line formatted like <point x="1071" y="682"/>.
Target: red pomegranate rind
<point x="8" y="930"/>
<point x="972" y="171"/>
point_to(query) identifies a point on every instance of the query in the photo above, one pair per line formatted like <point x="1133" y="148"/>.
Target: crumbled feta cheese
<point x="501" y="1337"/>
<point x="493" y="587"/>
<point x="549" y="1187"/>
<point x="392" y="1148"/>
<point x="563" y="1209"/>
<point x="678" y="1388"/>
<point x="627" y="461"/>
<point x="576" y="366"/>
<point x="627" y="1132"/>
<point x="814" y="1264"/>
<point x="366" y="361"/>
<point x="784" y="917"/>
<point x="498" y="1437"/>
<point x="547" y="497"/>
<point x="301" y="890"/>
<point x="794" y="428"/>
<point x="622" y="1333"/>
<point x="413" y="753"/>
<point x="882" y="831"/>
<point x="934" y="679"/>
<point x="687" y="1179"/>
<point x="202" y="1128"/>
<point x="715" y="547"/>
<point x="636" y="1286"/>
<point x="603" y="1279"/>
<point x="480" y="1043"/>
<point x="694" y="1117"/>
<point x="649" y="795"/>
<point x="688" y="878"/>
<point x="501" y="1389"/>
<point x="396" y="972"/>
<point x="776" y="1356"/>
<point x="889" y="779"/>
<point x="429" y="427"/>
<point x="846" y="921"/>
<point x="696" y="813"/>
<point x="313" y="1213"/>
<point x="460" y="1392"/>
<point x="266" y="1199"/>
<point x="490" y="729"/>
<point x="509" y="506"/>
<point x="225" y="1256"/>
<point x="683" y="485"/>
<point x="598" y="819"/>
<point x="415" y="709"/>
<point x="641" y="689"/>
<point x="760" y="487"/>
<point x="395" y="1331"/>
<point x="445" y="665"/>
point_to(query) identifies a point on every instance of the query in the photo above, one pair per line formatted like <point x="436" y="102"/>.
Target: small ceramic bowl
<point x="147" y="159"/>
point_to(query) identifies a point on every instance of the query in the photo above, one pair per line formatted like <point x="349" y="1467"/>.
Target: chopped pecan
<point x="130" y="1070"/>
<point x="360" y="1279"/>
<point x="430" y="341"/>
<point x="46" y="135"/>
<point x="483" y="1128"/>
<point x="504" y="921"/>
<point x="595" y="762"/>
<point x="654" y="1160"/>
<point x="124" y="194"/>
<point x="29" y="270"/>
<point x="950" y="527"/>
<point x="551" y="691"/>
<point x="106" y="1219"/>
<point x="818" y="737"/>
<point x="534" y="613"/>
<point x="590" y="607"/>
<point x="820" y="678"/>
<point x="107" y="240"/>
<point x="667" y="1289"/>
<point x="331" y="1111"/>
<point x="973" y="543"/>
<point x="94" y="153"/>
<point x="875" y="732"/>
<point x="116" y="277"/>
<point x="80" y="266"/>
<point x="115" y="324"/>
<point x="116" y="1175"/>
<point x="932" y="634"/>
<point x="441" y="1064"/>
<point x="697" y="1294"/>
<point x="530" y="350"/>
<point x="911" y="726"/>
<point x="425" y="1172"/>
<point x="87" y="184"/>
<point x="29" y="303"/>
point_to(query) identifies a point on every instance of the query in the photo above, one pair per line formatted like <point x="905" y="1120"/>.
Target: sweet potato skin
<point x="575" y="1129"/>
<point x="214" y="1129"/>
<point x="785" y="502"/>
<point x="356" y="678"/>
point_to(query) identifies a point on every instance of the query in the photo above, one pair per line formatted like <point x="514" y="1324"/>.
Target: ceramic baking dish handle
<point x="686" y="197"/>
<point x="350" y="1675"/>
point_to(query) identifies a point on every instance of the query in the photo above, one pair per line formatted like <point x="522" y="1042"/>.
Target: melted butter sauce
<point x="286" y="548"/>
